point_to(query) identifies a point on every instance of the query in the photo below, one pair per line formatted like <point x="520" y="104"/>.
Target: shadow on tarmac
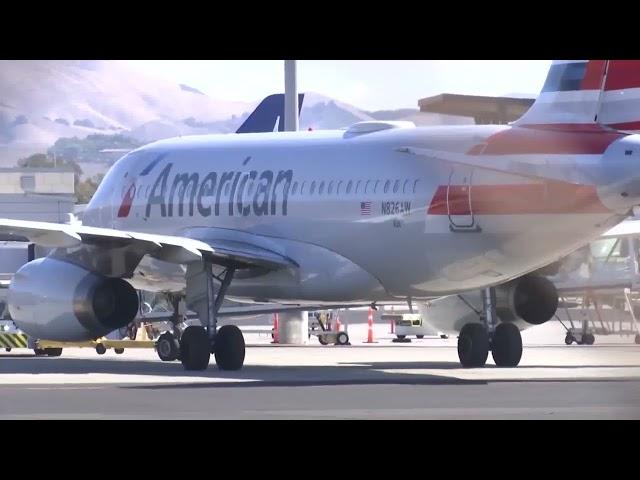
<point x="352" y="373"/>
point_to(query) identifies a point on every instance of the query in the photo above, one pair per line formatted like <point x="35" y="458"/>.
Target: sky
<point x="366" y="84"/>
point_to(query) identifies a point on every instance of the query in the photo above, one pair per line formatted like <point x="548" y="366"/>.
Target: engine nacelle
<point x="529" y="300"/>
<point x="56" y="300"/>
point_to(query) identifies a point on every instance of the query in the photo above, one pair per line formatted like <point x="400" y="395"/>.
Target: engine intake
<point x="56" y="300"/>
<point x="532" y="298"/>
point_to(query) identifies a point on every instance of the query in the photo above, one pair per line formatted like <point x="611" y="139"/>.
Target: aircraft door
<point x="459" y="204"/>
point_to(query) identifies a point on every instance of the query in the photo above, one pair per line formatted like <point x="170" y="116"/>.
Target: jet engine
<point x="57" y="300"/>
<point x="526" y="301"/>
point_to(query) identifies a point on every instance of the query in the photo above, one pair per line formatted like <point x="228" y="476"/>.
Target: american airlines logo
<point x="243" y="193"/>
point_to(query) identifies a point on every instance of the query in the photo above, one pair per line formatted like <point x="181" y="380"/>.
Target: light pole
<point x="290" y="96"/>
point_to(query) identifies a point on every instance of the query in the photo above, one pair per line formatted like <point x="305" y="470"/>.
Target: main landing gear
<point x="475" y="339"/>
<point x="198" y="342"/>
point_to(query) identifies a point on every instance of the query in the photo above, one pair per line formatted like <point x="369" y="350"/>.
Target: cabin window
<point x="366" y="186"/>
<point x="294" y="189"/>
<point x="330" y="188"/>
<point x="349" y="185"/>
<point x="415" y="186"/>
<point x="375" y="187"/>
<point x="404" y="187"/>
<point x="387" y="184"/>
<point x="302" y="188"/>
<point x="339" y="185"/>
<point x="358" y="186"/>
<point x="312" y="190"/>
<point x="321" y="188"/>
<point x="396" y="186"/>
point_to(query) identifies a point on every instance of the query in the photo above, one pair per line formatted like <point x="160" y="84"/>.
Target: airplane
<point x="380" y="211"/>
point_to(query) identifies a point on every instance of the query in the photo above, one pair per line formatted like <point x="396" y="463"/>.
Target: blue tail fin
<point x="269" y="115"/>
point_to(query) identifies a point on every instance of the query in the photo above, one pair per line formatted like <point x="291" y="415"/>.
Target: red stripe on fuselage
<point x="516" y="199"/>
<point x="547" y="139"/>
<point x="626" y="125"/>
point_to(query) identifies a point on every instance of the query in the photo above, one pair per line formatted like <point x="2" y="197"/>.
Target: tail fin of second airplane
<point x="588" y="92"/>
<point x="268" y="115"/>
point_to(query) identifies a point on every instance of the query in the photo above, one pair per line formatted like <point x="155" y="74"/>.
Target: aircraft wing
<point x="500" y="165"/>
<point x="174" y="249"/>
<point x="626" y="228"/>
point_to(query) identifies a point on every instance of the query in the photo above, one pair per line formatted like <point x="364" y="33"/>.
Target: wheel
<point x="229" y="348"/>
<point x="40" y="352"/>
<point x="101" y="349"/>
<point x="195" y="348"/>
<point x="473" y="345"/>
<point x="8" y="349"/>
<point x="168" y="347"/>
<point x="637" y="339"/>
<point x="323" y="340"/>
<point x="588" y="339"/>
<point x="132" y="331"/>
<point x="342" y="338"/>
<point x="53" y="352"/>
<point x="569" y="339"/>
<point x="506" y="345"/>
<point x="420" y="337"/>
<point x="401" y="337"/>
<point x="119" y="351"/>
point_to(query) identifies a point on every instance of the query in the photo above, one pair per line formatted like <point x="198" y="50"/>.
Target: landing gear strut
<point x="198" y="342"/>
<point x="475" y="339"/>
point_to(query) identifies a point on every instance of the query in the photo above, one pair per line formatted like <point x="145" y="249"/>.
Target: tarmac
<point x="384" y="380"/>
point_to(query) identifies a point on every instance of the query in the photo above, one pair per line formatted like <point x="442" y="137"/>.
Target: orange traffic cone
<point x="276" y="329"/>
<point x="370" y="325"/>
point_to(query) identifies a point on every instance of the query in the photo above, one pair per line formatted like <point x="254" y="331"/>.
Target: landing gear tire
<point x="8" y="349"/>
<point x="419" y="337"/>
<point x="506" y="345"/>
<point x="229" y="348"/>
<point x="119" y="351"/>
<point x="53" y="352"/>
<point x="588" y="339"/>
<point x="40" y="352"/>
<point x="637" y="339"/>
<point x="195" y="348"/>
<point x="401" y="337"/>
<point x="473" y="345"/>
<point x="568" y="340"/>
<point x="168" y="347"/>
<point x="101" y="349"/>
<point x="342" y="338"/>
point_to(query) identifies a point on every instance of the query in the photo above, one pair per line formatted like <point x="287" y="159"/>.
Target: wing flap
<point x="494" y="163"/>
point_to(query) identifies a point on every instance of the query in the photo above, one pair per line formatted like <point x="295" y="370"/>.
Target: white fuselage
<point x="364" y="219"/>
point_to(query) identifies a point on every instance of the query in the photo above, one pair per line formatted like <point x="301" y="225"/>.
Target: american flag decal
<point x="365" y="208"/>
